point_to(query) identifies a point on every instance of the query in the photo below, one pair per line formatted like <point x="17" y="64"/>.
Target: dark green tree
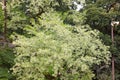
<point x="100" y="13"/>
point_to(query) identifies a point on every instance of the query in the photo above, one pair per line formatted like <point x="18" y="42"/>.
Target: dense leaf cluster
<point x="55" y="42"/>
<point x="54" y="51"/>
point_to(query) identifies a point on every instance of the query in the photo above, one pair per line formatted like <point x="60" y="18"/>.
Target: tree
<point x="100" y="13"/>
<point x="53" y="37"/>
<point x="21" y="11"/>
<point x="53" y="50"/>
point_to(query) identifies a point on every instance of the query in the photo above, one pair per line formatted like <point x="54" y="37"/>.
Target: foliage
<point x="21" y="11"/>
<point x="53" y="42"/>
<point x="99" y="14"/>
<point x="74" y="18"/>
<point x="54" y="51"/>
<point x="6" y="62"/>
<point x="1" y="19"/>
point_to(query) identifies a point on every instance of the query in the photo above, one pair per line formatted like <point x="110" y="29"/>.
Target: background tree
<point x="100" y="13"/>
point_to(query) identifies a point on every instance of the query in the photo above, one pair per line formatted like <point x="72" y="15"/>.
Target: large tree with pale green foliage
<point x="52" y="41"/>
<point x="52" y="50"/>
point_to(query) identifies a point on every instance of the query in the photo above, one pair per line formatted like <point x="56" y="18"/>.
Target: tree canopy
<point x="54" y="41"/>
<point x="54" y="51"/>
